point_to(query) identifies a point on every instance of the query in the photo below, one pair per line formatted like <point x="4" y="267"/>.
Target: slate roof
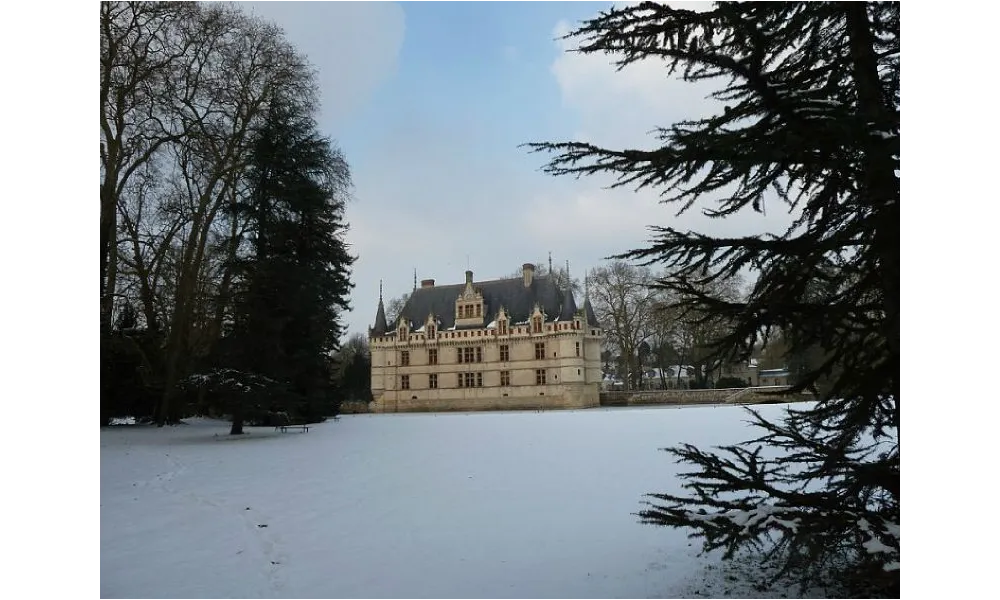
<point x="517" y="300"/>
<point x="773" y="372"/>
<point x="591" y="317"/>
<point x="568" y="306"/>
<point x="380" y="325"/>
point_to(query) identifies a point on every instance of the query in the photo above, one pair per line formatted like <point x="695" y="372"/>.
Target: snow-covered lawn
<point x="480" y="505"/>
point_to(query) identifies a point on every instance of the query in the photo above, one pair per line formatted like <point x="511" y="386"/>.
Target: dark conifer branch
<point x="808" y="116"/>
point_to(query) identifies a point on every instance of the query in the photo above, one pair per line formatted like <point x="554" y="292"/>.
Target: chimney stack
<point x="426" y="283"/>
<point x="528" y="271"/>
<point x="468" y="277"/>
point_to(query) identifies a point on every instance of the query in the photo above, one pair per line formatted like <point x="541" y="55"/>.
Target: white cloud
<point x="619" y="109"/>
<point x="434" y="200"/>
<point x="353" y="45"/>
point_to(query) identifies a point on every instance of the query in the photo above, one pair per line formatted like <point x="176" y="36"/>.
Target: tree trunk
<point x="178" y="340"/>
<point x="237" y="428"/>
<point x="879" y="177"/>
<point x="111" y="282"/>
<point x="176" y="343"/>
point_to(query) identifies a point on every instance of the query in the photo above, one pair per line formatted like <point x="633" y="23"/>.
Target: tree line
<point x="223" y="267"/>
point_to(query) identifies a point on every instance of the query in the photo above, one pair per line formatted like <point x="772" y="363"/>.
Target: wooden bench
<point x="285" y="428"/>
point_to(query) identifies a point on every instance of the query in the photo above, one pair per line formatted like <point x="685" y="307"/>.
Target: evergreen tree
<point x="811" y="94"/>
<point x="297" y="279"/>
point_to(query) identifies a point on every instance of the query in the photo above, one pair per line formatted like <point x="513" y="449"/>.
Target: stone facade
<point x="501" y="344"/>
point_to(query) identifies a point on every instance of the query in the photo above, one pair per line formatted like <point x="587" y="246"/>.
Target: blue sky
<point x="430" y="101"/>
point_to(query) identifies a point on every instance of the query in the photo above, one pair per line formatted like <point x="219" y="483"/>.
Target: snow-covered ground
<point x="470" y="505"/>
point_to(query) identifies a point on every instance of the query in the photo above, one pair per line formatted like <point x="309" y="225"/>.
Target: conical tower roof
<point x="568" y="304"/>
<point x="587" y="308"/>
<point x="380" y="325"/>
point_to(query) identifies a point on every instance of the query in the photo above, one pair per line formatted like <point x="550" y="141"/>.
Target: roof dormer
<point x="536" y="320"/>
<point x="503" y="323"/>
<point x="469" y="308"/>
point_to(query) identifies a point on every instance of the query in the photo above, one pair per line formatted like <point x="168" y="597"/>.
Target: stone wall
<point x="354" y="407"/>
<point x="575" y="399"/>
<point x="753" y="395"/>
<point x="556" y="397"/>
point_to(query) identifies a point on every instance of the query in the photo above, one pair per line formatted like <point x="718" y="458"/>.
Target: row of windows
<point x="502" y="329"/>
<point x="475" y="354"/>
<point x="469" y="311"/>
<point x="471" y="379"/>
<point x="469" y="355"/>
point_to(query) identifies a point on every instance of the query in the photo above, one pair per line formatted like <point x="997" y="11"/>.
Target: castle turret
<point x="568" y="304"/>
<point x="591" y="317"/>
<point x="587" y="308"/>
<point x="380" y="325"/>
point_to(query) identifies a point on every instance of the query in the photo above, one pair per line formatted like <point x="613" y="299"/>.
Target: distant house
<point x="670" y="377"/>
<point x="743" y="371"/>
<point x="611" y="383"/>
<point x="773" y="376"/>
<point x="654" y="379"/>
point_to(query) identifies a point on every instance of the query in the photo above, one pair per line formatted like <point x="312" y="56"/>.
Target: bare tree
<point x="395" y="307"/>
<point x="139" y="48"/>
<point x="221" y="89"/>
<point x="560" y="273"/>
<point x="623" y="301"/>
<point x="355" y="346"/>
<point x="692" y="335"/>
<point x="146" y="228"/>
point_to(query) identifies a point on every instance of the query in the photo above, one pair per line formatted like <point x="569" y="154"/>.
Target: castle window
<point x="479" y="379"/>
<point x="539" y="350"/>
<point x="479" y="309"/>
<point x="460" y="379"/>
<point x="432" y="356"/>
<point x="504" y="377"/>
<point x="432" y="381"/>
<point x="404" y="382"/>
<point x="539" y="376"/>
<point x="479" y="354"/>
<point x="430" y="332"/>
<point x="578" y="348"/>
<point x="459" y="351"/>
<point x="404" y="359"/>
<point x="536" y="324"/>
<point x="469" y="355"/>
<point x="505" y="353"/>
<point x="502" y="327"/>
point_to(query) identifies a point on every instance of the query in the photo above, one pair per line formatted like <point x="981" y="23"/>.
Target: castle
<point x="517" y="343"/>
